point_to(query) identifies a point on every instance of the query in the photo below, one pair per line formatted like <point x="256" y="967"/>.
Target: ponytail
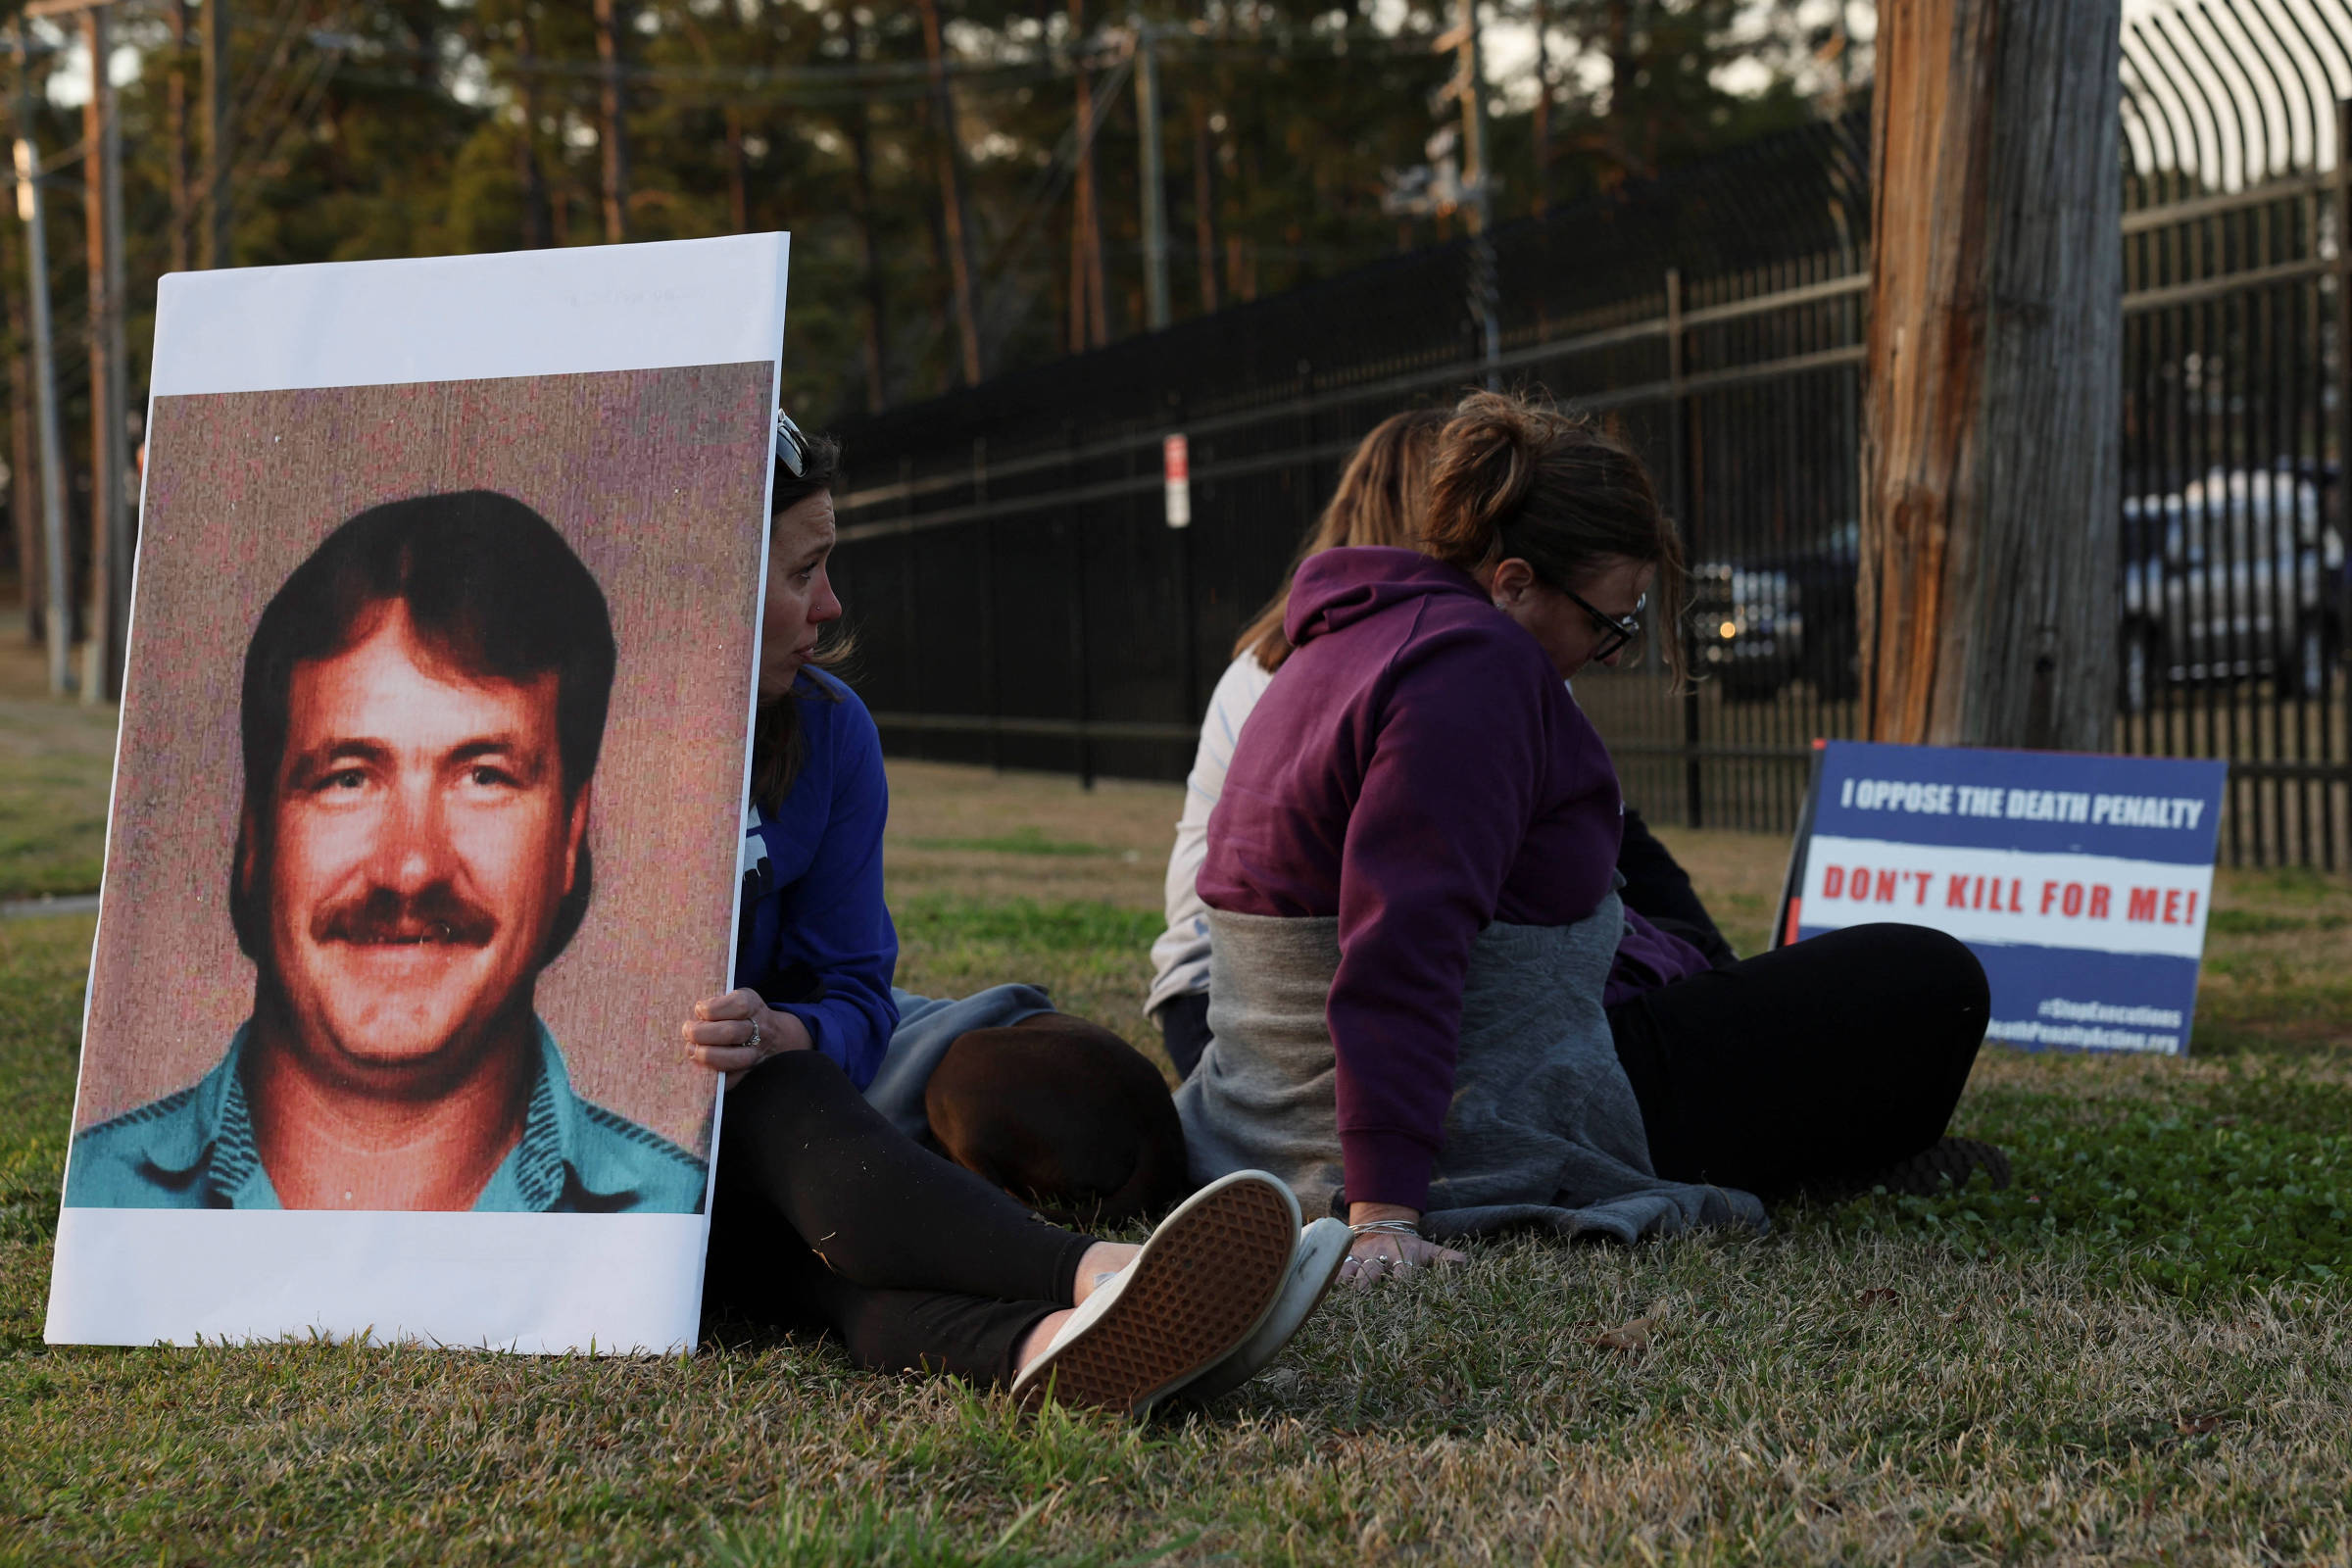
<point x="1564" y="493"/>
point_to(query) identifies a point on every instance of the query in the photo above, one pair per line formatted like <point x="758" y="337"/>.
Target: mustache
<point x="382" y="917"/>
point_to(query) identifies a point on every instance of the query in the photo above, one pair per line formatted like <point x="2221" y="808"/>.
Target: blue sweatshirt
<point x="815" y="940"/>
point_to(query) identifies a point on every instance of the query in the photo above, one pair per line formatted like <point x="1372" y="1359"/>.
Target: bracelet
<point x="1387" y="1227"/>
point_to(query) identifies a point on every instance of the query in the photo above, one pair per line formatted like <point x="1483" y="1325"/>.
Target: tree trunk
<point x="220" y="232"/>
<point x="1541" y="129"/>
<point x="1090" y="300"/>
<point x="1205" y="204"/>
<point x="1989" y="507"/>
<point x="538" y="224"/>
<point x="739" y="192"/>
<point x="878" y="308"/>
<point x="176" y="136"/>
<point x="950" y="197"/>
<point x="23" y="485"/>
<point x="610" y="23"/>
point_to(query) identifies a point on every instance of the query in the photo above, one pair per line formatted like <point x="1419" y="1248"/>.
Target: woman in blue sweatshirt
<point x="826" y="1215"/>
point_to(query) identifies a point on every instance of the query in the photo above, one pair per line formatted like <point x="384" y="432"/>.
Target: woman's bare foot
<point x="1098" y="1264"/>
<point x="1035" y="1341"/>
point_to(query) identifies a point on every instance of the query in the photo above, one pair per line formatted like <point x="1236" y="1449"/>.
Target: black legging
<point x="826" y="1215"/>
<point x="1816" y="1062"/>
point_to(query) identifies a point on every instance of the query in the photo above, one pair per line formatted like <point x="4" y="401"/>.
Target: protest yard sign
<point x="2082" y="882"/>
<point x="427" y="805"/>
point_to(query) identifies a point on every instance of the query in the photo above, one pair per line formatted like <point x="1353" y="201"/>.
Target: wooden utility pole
<point x="612" y="19"/>
<point x="218" y="249"/>
<point x="959" y="239"/>
<point x="1990" y="507"/>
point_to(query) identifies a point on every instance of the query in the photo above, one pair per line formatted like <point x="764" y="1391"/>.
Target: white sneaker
<point x="1201" y="1286"/>
<point x="1314" y="1264"/>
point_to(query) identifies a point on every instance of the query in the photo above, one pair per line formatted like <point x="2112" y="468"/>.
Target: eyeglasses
<point x="1614" y="633"/>
<point x="792" y="447"/>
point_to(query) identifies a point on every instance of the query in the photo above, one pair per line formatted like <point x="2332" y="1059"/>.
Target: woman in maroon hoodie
<point x="1412" y="892"/>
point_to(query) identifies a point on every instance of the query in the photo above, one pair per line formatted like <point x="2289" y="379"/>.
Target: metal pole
<point x="44" y="373"/>
<point x="1155" y="191"/>
<point x="219" y="246"/>
<point x="1485" y="288"/>
<point x="2344" y="394"/>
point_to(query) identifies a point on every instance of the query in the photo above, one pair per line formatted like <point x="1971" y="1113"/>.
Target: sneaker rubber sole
<point x="1314" y="1264"/>
<point x="1200" y="1284"/>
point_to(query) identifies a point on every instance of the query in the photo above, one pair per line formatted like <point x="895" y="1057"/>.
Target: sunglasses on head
<point x="792" y="447"/>
<point x="1614" y="633"/>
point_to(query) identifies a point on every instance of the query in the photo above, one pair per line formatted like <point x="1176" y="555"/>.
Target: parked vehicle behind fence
<point x="2238" y="575"/>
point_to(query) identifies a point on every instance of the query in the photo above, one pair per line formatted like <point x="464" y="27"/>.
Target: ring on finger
<point x="755" y="1040"/>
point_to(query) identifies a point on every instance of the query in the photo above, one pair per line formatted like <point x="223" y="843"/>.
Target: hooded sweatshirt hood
<point x="1337" y="588"/>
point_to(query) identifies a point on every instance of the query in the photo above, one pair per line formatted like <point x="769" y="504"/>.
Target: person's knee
<point x="1946" y="1001"/>
<point x="1933" y="974"/>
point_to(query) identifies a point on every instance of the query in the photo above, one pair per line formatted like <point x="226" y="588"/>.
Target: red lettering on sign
<point x="2049" y="894"/>
<point x="2099" y="897"/>
<point x="2144" y="905"/>
<point x="1955" y="892"/>
<point x="2171" y="906"/>
<point x="1833" y="881"/>
<point x="2072" y="904"/>
<point x="1885" y="889"/>
<point x="1925" y="877"/>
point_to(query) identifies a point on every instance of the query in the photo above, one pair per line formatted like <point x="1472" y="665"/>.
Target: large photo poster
<point x="426" y="801"/>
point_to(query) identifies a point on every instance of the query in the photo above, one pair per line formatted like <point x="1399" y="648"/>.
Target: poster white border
<point x="533" y="1282"/>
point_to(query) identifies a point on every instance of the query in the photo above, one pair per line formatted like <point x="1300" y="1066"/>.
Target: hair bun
<point x="1488" y="456"/>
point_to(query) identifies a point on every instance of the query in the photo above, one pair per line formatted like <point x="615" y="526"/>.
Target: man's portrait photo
<point x="452" y="767"/>
<point x="424" y="702"/>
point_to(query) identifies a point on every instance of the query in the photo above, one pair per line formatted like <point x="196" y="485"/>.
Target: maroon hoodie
<point x="1417" y="769"/>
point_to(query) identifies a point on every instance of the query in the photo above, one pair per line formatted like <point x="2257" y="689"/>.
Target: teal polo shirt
<point x="195" y="1150"/>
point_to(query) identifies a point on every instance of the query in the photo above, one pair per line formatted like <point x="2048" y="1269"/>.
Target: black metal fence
<point x="1025" y="603"/>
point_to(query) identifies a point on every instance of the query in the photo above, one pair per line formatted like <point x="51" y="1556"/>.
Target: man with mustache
<point x="424" y="703"/>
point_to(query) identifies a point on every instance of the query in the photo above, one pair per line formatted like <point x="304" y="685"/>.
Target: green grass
<point x="2142" y="1352"/>
<point x="1020" y="841"/>
<point x="55" y="764"/>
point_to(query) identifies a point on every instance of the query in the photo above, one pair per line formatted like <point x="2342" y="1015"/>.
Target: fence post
<point x="1678" y="469"/>
<point x="2343" y="437"/>
<point x="1187" y="637"/>
<point x="910" y="616"/>
<point x="1079" y="650"/>
<point x="991" y="670"/>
